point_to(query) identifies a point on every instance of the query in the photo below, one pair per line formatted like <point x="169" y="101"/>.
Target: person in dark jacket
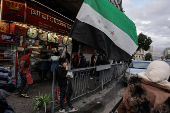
<point x="105" y="61"/>
<point x="92" y="60"/>
<point x="62" y="82"/>
<point x="82" y="62"/>
<point x="99" y="60"/>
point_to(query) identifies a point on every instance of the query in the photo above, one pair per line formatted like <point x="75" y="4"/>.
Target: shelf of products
<point x="8" y="56"/>
<point x="6" y="59"/>
<point x="6" y="53"/>
<point x="7" y="47"/>
<point x="8" y="65"/>
<point x="5" y="56"/>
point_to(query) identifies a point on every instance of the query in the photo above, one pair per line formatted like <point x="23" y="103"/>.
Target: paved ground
<point x="106" y="103"/>
<point x="95" y="102"/>
<point x="24" y="105"/>
<point x="100" y="101"/>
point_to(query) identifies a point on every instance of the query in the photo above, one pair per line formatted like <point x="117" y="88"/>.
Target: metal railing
<point x="89" y="79"/>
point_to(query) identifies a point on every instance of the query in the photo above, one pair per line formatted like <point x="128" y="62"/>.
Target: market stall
<point x="42" y="31"/>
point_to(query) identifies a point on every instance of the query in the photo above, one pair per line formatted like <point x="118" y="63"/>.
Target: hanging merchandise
<point x="43" y="36"/>
<point x="4" y="27"/>
<point x="65" y="40"/>
<point x="57" y="39"/>
<point x="32" y="33"/>
<point x="52" y="37"/>
<point x="60" y="39"/>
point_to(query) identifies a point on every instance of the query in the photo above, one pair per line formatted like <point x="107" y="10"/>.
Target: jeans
<point x="62" y="96"/>
<point x="24" y="86"/>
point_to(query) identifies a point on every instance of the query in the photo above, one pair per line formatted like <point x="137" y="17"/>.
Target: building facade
<point x="139" y="55"/>
<point x="167" y="51"/>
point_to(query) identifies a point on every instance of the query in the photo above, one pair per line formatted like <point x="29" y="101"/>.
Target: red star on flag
<point x="99" y="21"/>
<point x="105" y="27"/>
<point x="112" y="33"/>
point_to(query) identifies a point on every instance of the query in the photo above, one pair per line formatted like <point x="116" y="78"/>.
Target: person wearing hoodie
<point x="61" y="75"/>
<point x="148" y="92"/>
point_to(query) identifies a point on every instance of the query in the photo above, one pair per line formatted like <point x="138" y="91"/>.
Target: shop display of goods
<point x="37" y="42"/>
<point x="32" y="33"/>
<point x="7" y="46"/>
<point x="65" y="40"/>
<point x="51" y="37"/>
<point x="59" y="39"/>
<point x="4" y="27"/>
<point x="35" y="52"/>
<point x="7" y="63"/>
<point x="21" y="39"/>
<point x="42" y="36"/>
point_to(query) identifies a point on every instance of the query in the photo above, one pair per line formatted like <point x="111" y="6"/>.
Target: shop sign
<point x="4" y="37"/>
<point x="46" y="20"/>
<point x="13" y="10"/>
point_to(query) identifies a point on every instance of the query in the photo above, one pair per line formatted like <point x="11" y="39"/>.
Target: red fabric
<point x="25" y="58"/>
<point x="29" y="51"/>
<point x="28" y="75"/>
<point x="74" y="53"/>
<point x="75" y="59"/>
<point x="26" y="66"/>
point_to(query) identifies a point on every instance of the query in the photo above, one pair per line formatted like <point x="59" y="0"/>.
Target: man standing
<point x="75" y="60"/>
<point x="82" y="61"/>
<point x="26" y="78"/>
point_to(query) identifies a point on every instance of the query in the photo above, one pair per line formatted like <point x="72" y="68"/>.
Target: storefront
<point x="42" y="31"/>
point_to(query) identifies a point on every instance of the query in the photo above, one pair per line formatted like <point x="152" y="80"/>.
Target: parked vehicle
<point x="134" y="68"/>
<point x="167" y="61"/>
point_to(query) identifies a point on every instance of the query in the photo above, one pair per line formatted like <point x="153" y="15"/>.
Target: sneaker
<point x="72" y="110"/>
<point x="62" y="110"/>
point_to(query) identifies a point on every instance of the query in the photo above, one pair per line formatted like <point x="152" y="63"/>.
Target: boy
<point x="62" y="82"/>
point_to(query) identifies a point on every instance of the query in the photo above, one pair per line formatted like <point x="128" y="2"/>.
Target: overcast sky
<point x="151" y="17"/>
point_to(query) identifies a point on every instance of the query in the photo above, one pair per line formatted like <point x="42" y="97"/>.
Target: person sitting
<point x="149" y="92"/>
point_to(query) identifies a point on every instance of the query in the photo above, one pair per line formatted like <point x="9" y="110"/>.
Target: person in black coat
<point x="61" y="74"/>
<point x="82" y="62"/>
<point x="105" y="61"/>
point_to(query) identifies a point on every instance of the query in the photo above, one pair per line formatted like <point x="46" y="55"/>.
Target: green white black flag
<point x="103" y="26"/>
